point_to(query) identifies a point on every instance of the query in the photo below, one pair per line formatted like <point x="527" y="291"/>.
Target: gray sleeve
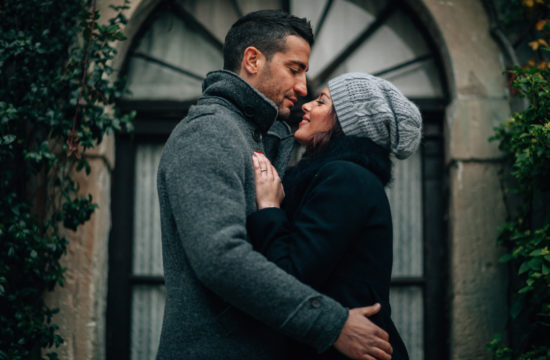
<point x="205" y="180"/>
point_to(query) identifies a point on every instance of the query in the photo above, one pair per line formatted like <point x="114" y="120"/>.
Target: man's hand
<point x="361" y="339"/>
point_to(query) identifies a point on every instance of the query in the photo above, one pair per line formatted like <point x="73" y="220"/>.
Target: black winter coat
<point x="334" y="231"/>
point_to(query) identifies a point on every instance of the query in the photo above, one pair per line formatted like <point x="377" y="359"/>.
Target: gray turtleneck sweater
<point x="223" y="299"/>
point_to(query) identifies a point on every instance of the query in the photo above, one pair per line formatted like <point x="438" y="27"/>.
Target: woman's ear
<point x="253" y="61"/>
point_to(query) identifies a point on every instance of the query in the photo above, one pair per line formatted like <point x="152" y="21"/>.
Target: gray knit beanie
<point x="371" y="107"/>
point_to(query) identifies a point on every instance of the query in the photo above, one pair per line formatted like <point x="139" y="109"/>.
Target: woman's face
<point x="318" y="118"/>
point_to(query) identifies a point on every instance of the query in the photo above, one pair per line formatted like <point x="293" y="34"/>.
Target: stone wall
<point x="476" y="210"/>
<point x="82" y="299"/>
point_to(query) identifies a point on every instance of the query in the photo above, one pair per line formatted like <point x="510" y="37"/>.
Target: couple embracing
<point x="262" y="268"/>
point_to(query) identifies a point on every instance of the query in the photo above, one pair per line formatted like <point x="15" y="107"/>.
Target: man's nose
<point x="301" y="86"/>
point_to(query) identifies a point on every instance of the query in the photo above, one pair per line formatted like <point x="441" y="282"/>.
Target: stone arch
<point x="478" y="102"/>
<point x="138" y="13"/>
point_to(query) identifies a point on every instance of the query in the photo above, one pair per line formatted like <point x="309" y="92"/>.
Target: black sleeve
<point x="331" y="215"/>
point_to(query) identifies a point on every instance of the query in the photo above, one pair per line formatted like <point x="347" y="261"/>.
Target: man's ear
<point x="253" y="61"/>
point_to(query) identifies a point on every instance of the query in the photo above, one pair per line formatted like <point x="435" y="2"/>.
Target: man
<point x="223" y="298"/>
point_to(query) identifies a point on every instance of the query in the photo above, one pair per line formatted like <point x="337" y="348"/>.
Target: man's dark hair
<point x="266" y="30"/>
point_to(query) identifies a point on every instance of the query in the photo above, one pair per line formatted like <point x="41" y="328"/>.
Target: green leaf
<point x="516" y="308"/>
<point x="505" y="258"/>
<point x="525" y="289"/>
<point x="7" y="139"/>
<point x="39" y="97"/>
<point x="523" y="268"/>
<point x="535" y="264"/>
<point x="540" y="252"/>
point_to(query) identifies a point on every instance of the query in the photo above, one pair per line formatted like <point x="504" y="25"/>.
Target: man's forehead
<point x="295" y="42"/>
<point x="296" y="51"/>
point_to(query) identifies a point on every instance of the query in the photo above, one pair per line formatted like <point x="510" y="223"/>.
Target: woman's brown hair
<point x="321" y="139"/>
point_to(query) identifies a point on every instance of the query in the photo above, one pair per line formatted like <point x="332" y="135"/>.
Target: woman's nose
<point x="306" y="107"/>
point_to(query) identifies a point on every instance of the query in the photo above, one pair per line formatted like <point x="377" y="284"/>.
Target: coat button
<point x="257" y="135"/>
<point x="315" y="302"/>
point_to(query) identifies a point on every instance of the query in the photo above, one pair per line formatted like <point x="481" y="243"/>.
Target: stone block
<point x="478" y="282"/>
<point x="105" y="150"/>
<point x="470" y="122"/>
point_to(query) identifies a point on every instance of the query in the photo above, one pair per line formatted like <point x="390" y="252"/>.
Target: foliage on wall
<point x="525" y="141"/>
<point x="55" y="103"/>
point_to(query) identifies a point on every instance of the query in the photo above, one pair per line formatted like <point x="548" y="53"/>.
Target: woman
<point x="334" y="231"/>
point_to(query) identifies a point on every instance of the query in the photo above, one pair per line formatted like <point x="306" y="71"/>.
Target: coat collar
<point x="361" y="151"/>
<point x="252" y="104"/>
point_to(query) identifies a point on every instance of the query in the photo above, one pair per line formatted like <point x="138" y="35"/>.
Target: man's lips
<point x="292" y="99"/>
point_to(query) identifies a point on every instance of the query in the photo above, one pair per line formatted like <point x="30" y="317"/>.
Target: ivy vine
<point x="56" y="102"/>
<point x="525" y="141"/>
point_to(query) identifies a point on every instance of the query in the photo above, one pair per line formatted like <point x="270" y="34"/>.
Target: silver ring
<point x="263" y="170"/>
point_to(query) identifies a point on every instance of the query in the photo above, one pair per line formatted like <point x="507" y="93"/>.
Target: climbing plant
<point x="56" y="102"/>
<point x="525" y="141"/>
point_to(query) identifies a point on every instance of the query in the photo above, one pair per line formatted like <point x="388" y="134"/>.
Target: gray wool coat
<point x="225" y="300"/>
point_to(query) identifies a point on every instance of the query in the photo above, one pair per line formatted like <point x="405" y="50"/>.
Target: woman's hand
<point x="269" y="189"/>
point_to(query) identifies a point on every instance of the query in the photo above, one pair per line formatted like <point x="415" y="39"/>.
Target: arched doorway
<point x="179" y="43"/>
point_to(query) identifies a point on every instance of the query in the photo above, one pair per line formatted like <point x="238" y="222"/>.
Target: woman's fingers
<point x="256" y="163"/>
<point x="264" y="166"/>
<point x="269" y="189"/>
<point x="260" y="161"/>
<point x="278" y="180"/>
<point x="266" y="169"/>
<point x="258" y="174"/>
<point x="274" y="171"/>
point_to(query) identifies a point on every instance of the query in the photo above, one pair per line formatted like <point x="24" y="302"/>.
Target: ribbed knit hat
<point x="371" y="107"/>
